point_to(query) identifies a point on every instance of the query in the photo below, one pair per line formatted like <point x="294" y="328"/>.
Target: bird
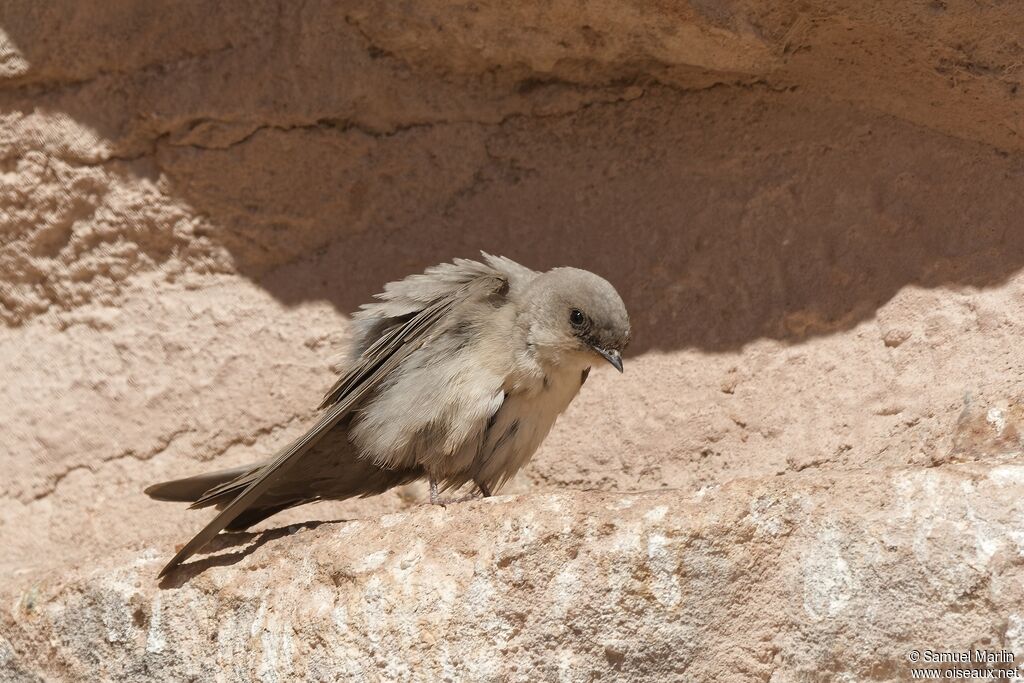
<point x="455" y="375"/>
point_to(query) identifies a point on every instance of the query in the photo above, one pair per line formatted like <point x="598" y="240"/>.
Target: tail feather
<point x="331" y="471"/>
<point x="195" y="489"/>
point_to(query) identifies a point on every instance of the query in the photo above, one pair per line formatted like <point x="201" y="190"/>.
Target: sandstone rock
<point x="807" y="578"/>
<point x="813" y="214"/>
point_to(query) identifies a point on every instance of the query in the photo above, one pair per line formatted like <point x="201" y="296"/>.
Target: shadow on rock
<point x="723" y="216"/>
<point x="240" y="544"/>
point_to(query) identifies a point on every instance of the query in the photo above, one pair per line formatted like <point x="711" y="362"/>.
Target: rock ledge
<point x="787" y="578"/>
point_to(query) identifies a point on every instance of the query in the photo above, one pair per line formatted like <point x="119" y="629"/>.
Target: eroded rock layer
<point x="812" y="213"/>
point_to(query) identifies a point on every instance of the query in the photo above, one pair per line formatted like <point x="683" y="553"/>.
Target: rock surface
<point x="812" y="213"/>
<point x="808" y="578"/>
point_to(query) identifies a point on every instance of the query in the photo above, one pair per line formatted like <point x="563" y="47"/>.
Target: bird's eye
<point x="576" y="317"/>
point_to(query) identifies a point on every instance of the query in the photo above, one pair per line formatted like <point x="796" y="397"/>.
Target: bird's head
<point x="575" y="316"/>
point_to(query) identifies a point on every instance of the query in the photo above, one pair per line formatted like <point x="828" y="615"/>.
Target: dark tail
<point x="331" y="470"/>
<point x="218" y="488"/>
<point x="195" y="489"/>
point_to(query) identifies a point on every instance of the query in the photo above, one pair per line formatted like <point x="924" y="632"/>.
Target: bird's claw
<point x="436" y="499"/>
<point x="444" y="502"/>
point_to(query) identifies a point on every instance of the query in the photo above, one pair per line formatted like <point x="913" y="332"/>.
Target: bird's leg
<point x="485" y="491"/>
<point x="436" y="499"/>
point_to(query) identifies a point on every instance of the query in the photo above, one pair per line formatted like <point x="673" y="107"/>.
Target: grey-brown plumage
<point x="457" y="375"/>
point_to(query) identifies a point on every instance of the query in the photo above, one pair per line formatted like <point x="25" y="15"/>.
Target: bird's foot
<point x="444" y="502"/>
<point x="436" y="499"/>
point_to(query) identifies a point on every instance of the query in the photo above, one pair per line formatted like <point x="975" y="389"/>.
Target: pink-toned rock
<point x="809" y="577"/>
<point x="812" y="213"/>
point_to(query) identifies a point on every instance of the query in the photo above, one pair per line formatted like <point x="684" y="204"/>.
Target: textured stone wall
<point x="812" y="213"/>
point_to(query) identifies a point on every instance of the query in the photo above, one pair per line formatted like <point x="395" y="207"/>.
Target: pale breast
<point x="521" y="424"/>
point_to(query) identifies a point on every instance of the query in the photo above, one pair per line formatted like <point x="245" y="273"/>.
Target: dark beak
<point x="612" y="357"/>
